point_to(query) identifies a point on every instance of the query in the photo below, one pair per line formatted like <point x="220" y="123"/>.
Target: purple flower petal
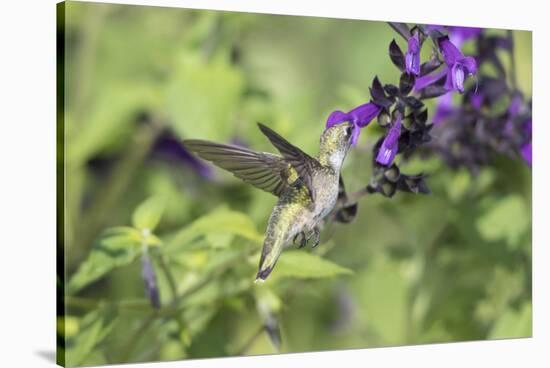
<point x="363" y="114"/>
<point x="360" y="117"/>
<point x="450" y="53"/>
<point x="457" y="77"/>
<point x="426" y="80"/>
<point x="355" y="134"/>
<point x="389" y="146"/>
<point x="469" y="64"/>
<point x="336" y="117"/>
<point x="412" y="57"/>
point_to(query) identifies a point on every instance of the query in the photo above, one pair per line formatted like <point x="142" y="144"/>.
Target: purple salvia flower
<point x="428" y="79"/>
<point x="360" y="117"/>
<point x="458" y="65"/>
<point x="150" y="279"/>
<point x="389" y="146"/>
<point x="412" y="57"/>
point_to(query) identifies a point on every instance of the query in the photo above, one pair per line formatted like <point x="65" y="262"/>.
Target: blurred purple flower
<point x="476" y="100"/>
<point x="150" y="279"/>
<point x="444" y="108"/>
<point x="389" y="146"/>
<point x="458" y="65"/>
<point x="457" y="35"/>
<point x="170" y="147"/>
<point x="526" y="148"/>
<point x="360" y="117"/>
<point x="526" y="153"/>
<point x="412" y="57"/>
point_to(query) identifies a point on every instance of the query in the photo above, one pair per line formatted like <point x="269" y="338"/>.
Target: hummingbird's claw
<point x="303" y="239"/>
<point x="317" y="237"/>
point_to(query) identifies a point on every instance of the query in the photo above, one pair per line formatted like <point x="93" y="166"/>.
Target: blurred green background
<point x="452" y="266"/>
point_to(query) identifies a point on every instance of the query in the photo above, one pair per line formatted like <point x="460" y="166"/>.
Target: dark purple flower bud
<point x="412" y="57"/>
<point x="389" y="146"/>
<point x="150" y="279"/>
<point x="458" y="65"/>
<point x="360" y="117"/>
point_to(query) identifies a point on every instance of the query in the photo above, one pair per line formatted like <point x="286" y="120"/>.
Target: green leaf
<point x="382" y="296"/>
<point x="300" y="264"/>
<point x="203" y="98"/>
<point x="108" y="124"/>
<point x="513" y="323"/>
<point x="215" y="226"/>
<point x="147" y="215"/>
<point x="507" y="219"/>
<point x="94" y="327"/>
<point x="117" y="247"/>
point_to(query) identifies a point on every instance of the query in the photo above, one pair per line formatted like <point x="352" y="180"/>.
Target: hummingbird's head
<point x="335" y="143"/>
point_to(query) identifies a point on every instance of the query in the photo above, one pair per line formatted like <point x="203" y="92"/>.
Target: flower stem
<point x="402" y="29"/>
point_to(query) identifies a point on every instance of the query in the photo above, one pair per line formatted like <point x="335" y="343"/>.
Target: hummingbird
<point x="307" y="187"/>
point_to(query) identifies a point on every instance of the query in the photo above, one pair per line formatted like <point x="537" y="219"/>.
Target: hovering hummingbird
<point x="308" y="188"/>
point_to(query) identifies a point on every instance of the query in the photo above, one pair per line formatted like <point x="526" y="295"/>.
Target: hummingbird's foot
<point x="303" y="239"/>
<point x="317" y="237"/>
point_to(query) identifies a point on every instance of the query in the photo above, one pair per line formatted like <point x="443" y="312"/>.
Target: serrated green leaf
<point x="147" y="215"/>
<point x="218" y="222"/>
<point x="303" y="265"/>
<point x="507" y="219"/>
<point x="117" y="247"/>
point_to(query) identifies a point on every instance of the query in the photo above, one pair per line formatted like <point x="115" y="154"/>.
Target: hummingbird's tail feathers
<point x="262" y="274"/>
<point x="271" y="251"/>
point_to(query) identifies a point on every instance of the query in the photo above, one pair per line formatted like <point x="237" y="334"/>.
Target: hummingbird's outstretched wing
<point x="265" y="171"/>
<point x="303" y="163"/>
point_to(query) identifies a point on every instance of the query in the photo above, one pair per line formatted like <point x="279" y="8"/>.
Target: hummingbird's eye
<point x="349" y="130"/>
